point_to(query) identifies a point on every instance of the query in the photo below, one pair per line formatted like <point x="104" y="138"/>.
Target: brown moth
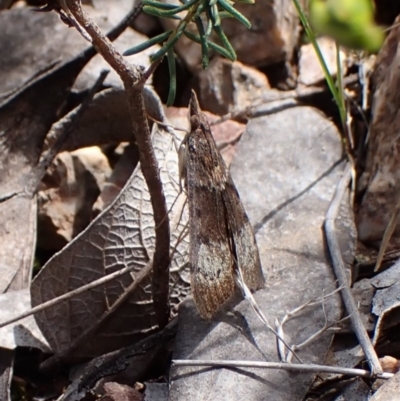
<point x="221" y="237"/>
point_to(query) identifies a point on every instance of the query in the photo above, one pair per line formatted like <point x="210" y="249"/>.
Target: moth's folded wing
<point x="245" y="243"/>
<point x="210" y="254"/>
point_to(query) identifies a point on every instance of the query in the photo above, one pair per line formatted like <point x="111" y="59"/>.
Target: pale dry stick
<point x="359" y="109"/>
<point x="281" y="348"/>
<point x="295" y="347"/>
<point x="318" y="333"/>
<point x="363" y="74"/>
<point x="314" y="336"/>
<point x="339" y="269"/>
<point x="168" y="126"/>
<point x="223" y="144"/>
<point x="347" y="137"/>
<point x="279" y="325"/>
<point x="292" y="367"/>
<point x="388" y="234"/>
<point x="259" y="313"/>
<point x="184" y="233"/>
<point x="71" y="294"/>
<point x="220" y="145"/>
<point x="274" y="96"/>
<point x="66" y="13"/>
<point x="42" y="71"/>
<point x="311" y="302"/>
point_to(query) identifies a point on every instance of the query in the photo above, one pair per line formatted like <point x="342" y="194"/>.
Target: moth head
<point x="197" y="120"/>
<point x="194" y="107"/>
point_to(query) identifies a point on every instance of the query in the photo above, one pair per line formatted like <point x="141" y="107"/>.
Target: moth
<point x="222" y="244"/>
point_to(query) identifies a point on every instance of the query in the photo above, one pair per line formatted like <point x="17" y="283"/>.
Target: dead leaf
<point x="105" y="121"/>
<point x="389" y="391"/>
<point x="6" y="372"/>
<point x="120" y="392"/>
<point x="25" y="120"/>
<point x="123" y="235"/>
<point x="123" y="169"/>
<point x="67" y="193"/>
<point x="381" y="178"/>
<point x="390" y="364"/>
<point x="126" y="366"/>
<point x="24" y="333"/>
<point x="386" y="303"/>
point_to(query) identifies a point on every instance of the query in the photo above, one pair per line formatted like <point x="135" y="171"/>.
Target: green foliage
<point x="205" y="16"/>
<point x="337" y="94"/>
<point x="350" y="22"/>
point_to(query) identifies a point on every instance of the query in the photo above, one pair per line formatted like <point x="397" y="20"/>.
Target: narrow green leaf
<point x="210" y="21"/>
<point x="169" y="45"/>
<point x="172" y="77"/>
<point x="225" y="14"/>
<point x="215" y="15"/>
<point x="246" y="1"/>
<point x="158" y="13"/>
<point x="158" y="4"/>
<point x="221" y="50"/>
<point x="210" y="27"/>
<point x="236" y="14"/>
<point x="203" y="40"/>
<point x="328" y="76"/>
<point x="148" y="43"/>
<point x="225" y="42"/>
<point x="211" y="45"/>
<point x="200" y="8"/>
<point x="178" y="9"/>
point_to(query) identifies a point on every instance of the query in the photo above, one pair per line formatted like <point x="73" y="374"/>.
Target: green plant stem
<point x="340" y="87"/>
<point x="329" y="79"/>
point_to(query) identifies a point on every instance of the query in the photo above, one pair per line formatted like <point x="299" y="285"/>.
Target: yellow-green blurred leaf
<point x="350" y="22"/>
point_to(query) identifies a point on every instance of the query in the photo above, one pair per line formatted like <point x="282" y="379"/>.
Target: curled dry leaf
<point x="390" y="364"/>
<point x="381" y="178"/>
<point x="122" y="236"/>
<point x="25" y="119"/>
<point x="386" y="303"/>
<point x="120" y="392"/>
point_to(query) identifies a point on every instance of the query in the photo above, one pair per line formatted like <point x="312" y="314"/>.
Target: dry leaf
<point x="123" y="235"/>
<point x="120" y="392"/>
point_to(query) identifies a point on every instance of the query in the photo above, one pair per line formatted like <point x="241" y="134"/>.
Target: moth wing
<point x="247" y="254"/>
<point x="210" y="254"/>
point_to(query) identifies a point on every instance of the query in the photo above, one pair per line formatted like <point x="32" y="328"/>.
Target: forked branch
<point x="132" y="77"/>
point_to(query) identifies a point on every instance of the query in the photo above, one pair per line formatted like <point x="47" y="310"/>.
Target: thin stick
<point x="58" y="358"/>
<point x="388" y="234"/>
<point x="339" y="269"/>
<point x="294" y="312"/>
<point x="249" y="297"/>
<point x="293" y="367"/>
<point x="70" y="294"/>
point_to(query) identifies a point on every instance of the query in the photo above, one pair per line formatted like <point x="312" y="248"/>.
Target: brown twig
<point x="339" y="269"/>
<point x="131" y="77"/>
